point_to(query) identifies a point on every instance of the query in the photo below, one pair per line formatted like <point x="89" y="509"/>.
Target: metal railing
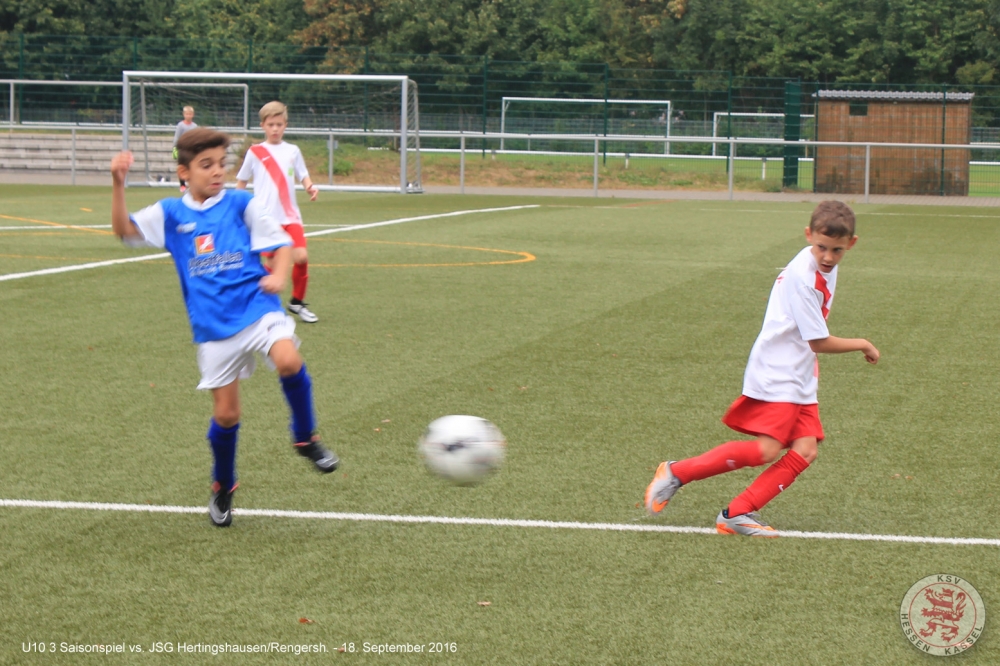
<point x="597" y="147"/>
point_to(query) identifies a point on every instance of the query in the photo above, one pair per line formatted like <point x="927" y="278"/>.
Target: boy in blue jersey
<point x="215" y="237"/>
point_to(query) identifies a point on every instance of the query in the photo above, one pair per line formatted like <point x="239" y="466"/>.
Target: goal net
<point x="356" y="132"/>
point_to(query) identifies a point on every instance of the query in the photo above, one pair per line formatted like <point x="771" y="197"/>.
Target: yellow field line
<point x="56" y="224"/>
<point x="28" y="256"/>
<point x="525" y="257"/>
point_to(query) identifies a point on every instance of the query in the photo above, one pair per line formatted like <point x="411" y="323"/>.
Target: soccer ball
<point x="462" y="449"/>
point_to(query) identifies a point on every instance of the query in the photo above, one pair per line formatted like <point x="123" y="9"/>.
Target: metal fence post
<point x="868" y="168"/>
<point x="597" y="154"/>
<point x="72" y="168"/>
<point x="732" y="163"/>
<point x="20" y="75"/>
<point x="486" y="76"/>
<point x="606" y="75"/>
<point x="944" y="131"/>
<point x="461" y="167"/>
<point x="331" y="158"/>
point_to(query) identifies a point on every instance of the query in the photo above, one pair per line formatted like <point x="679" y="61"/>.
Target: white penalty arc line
<point x="487" y="522"/>
<point x="355" y="227"/>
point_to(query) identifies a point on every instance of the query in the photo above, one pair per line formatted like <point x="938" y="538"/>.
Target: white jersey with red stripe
<point x="782" y="366"/>
<point x="279" y="202"/>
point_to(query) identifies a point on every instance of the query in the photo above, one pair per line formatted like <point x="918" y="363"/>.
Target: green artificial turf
<point x="619" y="345"/>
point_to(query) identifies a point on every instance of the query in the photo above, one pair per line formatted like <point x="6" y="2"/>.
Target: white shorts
<point x="224" y="361"/>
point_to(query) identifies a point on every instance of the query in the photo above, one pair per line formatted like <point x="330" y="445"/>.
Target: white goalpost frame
<point x="743" y="114"/>
<point x="505" y="103"/>
<point x="12" y="83"/>
<point x="404" y="82"/>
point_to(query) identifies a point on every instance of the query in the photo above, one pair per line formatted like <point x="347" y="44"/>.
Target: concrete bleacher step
<point x="93" y="153"/>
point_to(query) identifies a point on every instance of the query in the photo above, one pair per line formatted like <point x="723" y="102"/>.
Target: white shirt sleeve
<point x="806" y="307"/>
<point x="246" y="169"/>
<point x="265" y="233"/>
<point x="301" y="173"/>
<point x="149" y="221"/>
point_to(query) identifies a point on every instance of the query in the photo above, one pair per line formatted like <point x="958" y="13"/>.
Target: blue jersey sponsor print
<point x="217" y="261"/>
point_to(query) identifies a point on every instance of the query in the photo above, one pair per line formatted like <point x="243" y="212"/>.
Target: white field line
<point x="355" y="227"/>
<point x="487" y="522"/>
<point x="81" y="267"/>
<point x="35" y="227"/>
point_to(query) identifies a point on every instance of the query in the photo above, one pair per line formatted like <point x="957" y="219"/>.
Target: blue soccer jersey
<point x="216" y="248"/>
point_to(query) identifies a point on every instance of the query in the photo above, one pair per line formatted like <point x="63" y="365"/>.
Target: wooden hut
<point x="893" y="117"/>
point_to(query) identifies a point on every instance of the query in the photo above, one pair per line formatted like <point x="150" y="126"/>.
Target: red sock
<point x="300" y="277"/>
<point x="723" y="458"/>
<point x="766" y="487"/>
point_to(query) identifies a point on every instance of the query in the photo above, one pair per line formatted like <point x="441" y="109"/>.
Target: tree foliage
<point x="900" y="41"/>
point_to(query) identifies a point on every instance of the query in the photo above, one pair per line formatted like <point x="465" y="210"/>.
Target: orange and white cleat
<point x="747" y="524"/>
<point x="661" y="489"/>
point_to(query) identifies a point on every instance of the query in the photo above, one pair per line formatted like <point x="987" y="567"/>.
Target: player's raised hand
<point x="120" y="165"/>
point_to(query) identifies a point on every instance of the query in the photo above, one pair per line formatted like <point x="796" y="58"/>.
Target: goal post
<point x="370" y="118"/>
<point x="660" y="104"/>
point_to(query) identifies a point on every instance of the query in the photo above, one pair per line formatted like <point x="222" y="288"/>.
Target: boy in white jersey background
<point x="185" y="125"/>
<point x="234" y="307"/>
<point x="779" y="405"/>
<point x="274" y="167"/>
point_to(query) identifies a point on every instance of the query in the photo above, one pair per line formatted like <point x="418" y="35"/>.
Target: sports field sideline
<point x="601" y="337"/>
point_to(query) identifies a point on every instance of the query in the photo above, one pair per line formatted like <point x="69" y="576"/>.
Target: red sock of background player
<point x="766" y="487"/>
<point x="300" y="277"/>
<point x="723" y="458"/>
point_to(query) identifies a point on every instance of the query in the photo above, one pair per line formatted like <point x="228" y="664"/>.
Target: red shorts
<point x="784" y="421"/>
<point x="297" y="233"/>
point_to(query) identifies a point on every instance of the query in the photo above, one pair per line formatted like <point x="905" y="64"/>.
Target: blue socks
<point x="298" y="392"/>
<point x="223" y="443"/>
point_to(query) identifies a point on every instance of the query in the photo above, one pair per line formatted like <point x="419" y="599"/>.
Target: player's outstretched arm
<point x="120" y="222"/>
<point x="241" y="184"/>
<point x="834" y="345"/>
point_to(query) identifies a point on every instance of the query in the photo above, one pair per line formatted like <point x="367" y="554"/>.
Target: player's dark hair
<point x="197" y="140"/>
<point x="831" y="218"/>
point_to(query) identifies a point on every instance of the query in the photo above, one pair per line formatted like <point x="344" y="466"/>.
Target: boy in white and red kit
<point x="779" y="405"/>
<point x="275" y="165"/>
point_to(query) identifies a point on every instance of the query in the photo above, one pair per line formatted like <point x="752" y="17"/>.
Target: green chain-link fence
<point x="476" y="95"/>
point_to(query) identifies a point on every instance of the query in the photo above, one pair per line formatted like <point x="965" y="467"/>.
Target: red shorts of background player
<point x="783" y="421"/>
<point x="297" y="234"/>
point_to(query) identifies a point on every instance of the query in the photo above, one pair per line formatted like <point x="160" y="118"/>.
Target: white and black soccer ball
<point x="462" y="449"/>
